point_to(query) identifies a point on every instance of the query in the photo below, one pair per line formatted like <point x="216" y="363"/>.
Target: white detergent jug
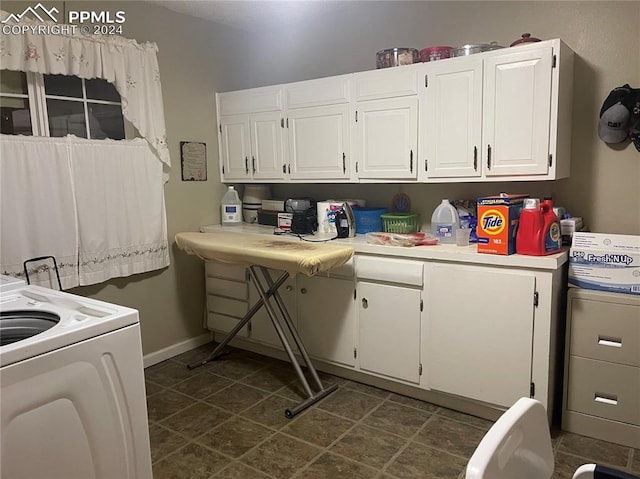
<point x="445" y="222"/>
<point x="231" y="208"/>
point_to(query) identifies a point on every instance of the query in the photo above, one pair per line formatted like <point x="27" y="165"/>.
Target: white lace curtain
<point x="97" y="206"/>
<point x="130" y="66"/>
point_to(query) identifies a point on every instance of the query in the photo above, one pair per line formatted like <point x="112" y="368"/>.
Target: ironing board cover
<point x="275" y="253"/>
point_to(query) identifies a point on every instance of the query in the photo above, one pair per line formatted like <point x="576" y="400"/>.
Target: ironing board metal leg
<point x="279" y="330"/>
<point x="294" y="332"/>
<point x="247" y="317"/>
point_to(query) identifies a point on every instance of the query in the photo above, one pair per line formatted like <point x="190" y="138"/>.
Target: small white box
<point x="284" y="221"/>
<point x="605" y="262"/>
<point x="569" y="226"/>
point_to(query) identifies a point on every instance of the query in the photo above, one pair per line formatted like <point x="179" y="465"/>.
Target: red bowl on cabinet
<point x="430" y="54"/>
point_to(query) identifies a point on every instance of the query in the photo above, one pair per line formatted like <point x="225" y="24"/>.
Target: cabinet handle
<point x="246" y="165"/>
<point x="344" y="163"/>
<point x="489" y="156"/>
<point x="610" y="342"/>
<point x="253" y="164"/>
<point x="609" y="399"/>
<point x="475" y="158"/>
<point x="411" y="161"/>
<point x="365" y="303"/>
<point x="303" y="290"/>
<point x="281" y="122"/>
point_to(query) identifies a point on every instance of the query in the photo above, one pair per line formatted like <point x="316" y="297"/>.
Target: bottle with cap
<point x="445" y="222"/>
<point x="231" y="208"/>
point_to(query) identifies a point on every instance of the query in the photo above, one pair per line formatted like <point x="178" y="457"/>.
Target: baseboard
<point x="175" y="349"/>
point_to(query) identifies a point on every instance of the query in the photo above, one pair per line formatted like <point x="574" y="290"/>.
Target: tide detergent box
<point x="605" y="262"/>
<point x="498" y="218"/>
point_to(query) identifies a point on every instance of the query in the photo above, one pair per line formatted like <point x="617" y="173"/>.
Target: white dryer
<point x="72" y="387"/>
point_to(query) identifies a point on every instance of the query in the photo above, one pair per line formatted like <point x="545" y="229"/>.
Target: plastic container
<point x="252" y="201"/>
<point x="368" y="219"/>
<point x="400" y="222"/>
<point x="538" y="229"/>
<point x="445" y="222"/>
<point x="231" y="208"/>
<point x="431" y="54"/>
<point x="393" y="57"/>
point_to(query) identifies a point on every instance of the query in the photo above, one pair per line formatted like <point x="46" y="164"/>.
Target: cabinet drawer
<point x="385" y="84"/>
<point x="323" y="91"/>
<point x="390" y="270"/>
<point x="606" y="331"/>
<point x="224" y="287"/>
<point x="224" y="324"/>
<point x="223" y="270"/>
<point x="227" y="306"/>
<point x="604" y="389"/>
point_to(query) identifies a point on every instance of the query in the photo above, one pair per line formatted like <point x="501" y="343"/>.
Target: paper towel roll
<point x="327" y="211"/>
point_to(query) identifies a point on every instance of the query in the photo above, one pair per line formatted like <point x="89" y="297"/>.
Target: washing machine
<point x="72" y="395"/>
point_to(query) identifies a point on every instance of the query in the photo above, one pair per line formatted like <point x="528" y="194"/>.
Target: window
<point x="56" y="105"/>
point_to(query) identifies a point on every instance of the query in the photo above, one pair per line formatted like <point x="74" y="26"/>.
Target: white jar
<point x="252" y="201"/>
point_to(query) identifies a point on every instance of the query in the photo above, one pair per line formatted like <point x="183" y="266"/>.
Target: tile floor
<point x="226" y="420"/>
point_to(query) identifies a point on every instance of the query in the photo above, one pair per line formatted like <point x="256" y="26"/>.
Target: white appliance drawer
<point x="604" y="389"/>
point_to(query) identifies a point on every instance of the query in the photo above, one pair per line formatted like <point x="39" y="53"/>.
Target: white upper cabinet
<point x="252" y="140"/>
<point x="318" y="129"/>
<point x="385" y="139"/>
<point x="235" y="147"/>
<point x="517" y="112"/>
<point x="503" y="115"/>
<point x="451" y="119"/>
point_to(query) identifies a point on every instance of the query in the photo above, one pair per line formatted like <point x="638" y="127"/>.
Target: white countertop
<point x="453" y="253"/>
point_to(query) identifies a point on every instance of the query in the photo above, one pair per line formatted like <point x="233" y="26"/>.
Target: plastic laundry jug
<point x="538" y="229"/>
<point x="231" y="208"/>
<point x="445" y="222"/>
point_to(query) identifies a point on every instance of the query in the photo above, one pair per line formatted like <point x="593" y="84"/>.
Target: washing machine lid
<point x="8" y="283"/>
<point x="80" y="319"/>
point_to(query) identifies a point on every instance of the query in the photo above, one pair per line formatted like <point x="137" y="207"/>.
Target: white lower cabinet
<point x="389" y="301"/>
<point x="478" y="334"/>
<point x="389" y="330"/>
<point x="326" y="318"/>
<point x="262" y="329"/>
<point x="485" y="334"/>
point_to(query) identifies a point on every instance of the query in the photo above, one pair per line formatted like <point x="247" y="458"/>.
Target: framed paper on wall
<point x="193" y="161"/>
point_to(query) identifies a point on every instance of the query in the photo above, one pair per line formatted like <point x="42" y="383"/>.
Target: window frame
<point x="37" y="98"/>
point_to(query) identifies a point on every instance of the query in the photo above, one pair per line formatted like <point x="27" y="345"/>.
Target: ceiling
<point x="247" y="14"/>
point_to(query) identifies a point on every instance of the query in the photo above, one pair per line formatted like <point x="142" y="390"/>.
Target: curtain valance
<point x="131" y="66"/>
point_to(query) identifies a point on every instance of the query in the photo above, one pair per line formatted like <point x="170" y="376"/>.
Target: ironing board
<point x="258" y="253"/>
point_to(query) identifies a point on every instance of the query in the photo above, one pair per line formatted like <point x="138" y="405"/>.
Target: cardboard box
<point x="498" y="218"/>
<point x="605" y="262"/>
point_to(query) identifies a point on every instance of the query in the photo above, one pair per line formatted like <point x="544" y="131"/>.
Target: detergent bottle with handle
<point x="538" y="229"/>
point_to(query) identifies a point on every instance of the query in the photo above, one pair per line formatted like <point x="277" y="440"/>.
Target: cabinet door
<point x="262" y="328"/>
<point x="386" y="138"/>
<point x="319" y="143"/>
<point x="267" y="151"/>
<point x="389" y="330"/>
<point x="451" y="119"/>
<point x="235" y="147"/>
<point x="326" y="318"/>
<point x="517" y="112"/>
<point x="478" y="334"/>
